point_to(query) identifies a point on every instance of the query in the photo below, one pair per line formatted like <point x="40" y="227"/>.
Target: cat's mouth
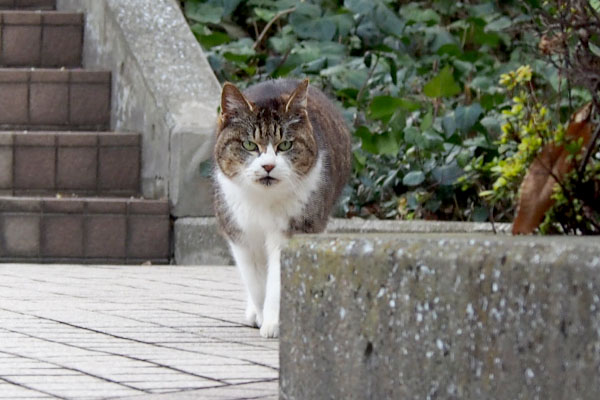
<point x="268" y="180"/>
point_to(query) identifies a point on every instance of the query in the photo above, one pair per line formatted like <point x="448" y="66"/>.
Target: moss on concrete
<point x="440" y="316"/>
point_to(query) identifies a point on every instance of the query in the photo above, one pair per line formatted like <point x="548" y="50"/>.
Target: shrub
<point x="419" y="84"/>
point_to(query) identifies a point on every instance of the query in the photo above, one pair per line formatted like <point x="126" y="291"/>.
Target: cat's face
<point x="266" y="145"/>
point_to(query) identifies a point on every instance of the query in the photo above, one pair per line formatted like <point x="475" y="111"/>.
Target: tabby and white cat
<point x="282" y="158"/>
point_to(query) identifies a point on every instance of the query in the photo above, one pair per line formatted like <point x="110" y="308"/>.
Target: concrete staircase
<point x="69" y="188"/>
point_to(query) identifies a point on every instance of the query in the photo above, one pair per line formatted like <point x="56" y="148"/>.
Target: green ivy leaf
<point x="447" y="175"/>
<point x="386" y="144"/>
<point x="367" y="139"/>
<point x="213" y="39"/>
<point x="413" y="178"/>
<point x="442" y="85"/>
<point x="204" y="12"/>
<point x="467" y="117"/>
<point x="384" y="106"/>
<point x="499" y="24"/>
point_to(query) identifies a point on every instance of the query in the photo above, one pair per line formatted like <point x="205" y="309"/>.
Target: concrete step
<point x="70" y="163"/>
<point x="54" y="99"/>
<point x="41" y="39"/>
<point x="27" y="4"/>
<point x="84" y="230"/>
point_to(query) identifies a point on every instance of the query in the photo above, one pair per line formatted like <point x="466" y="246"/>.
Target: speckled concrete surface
<point x="198" y="242"/>
<point x="440" y="316"/>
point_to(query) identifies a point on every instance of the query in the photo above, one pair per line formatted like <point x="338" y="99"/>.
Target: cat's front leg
<point x="254" y="282"/>
<point x="252" y="316"/>
<point x="270" y="326"/>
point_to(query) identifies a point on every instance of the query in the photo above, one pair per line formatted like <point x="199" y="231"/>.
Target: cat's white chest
<point x="267" y="210"/>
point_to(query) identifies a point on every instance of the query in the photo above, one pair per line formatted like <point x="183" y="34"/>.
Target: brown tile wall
<point x="84" y="230"/>
<point x="81" y="163"/>
<point x="32" y="39"/>
<point x="54" y="99"/>
<point x="27" y="4"/>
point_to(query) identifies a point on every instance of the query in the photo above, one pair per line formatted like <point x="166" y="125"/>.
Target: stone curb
<point x="198" y="242"/>
<point x="457" y="316"/>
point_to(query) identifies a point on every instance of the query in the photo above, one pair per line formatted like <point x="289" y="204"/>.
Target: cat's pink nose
<point x="268" y="167"/>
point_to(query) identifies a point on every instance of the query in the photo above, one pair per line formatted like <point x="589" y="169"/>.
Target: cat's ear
<point x="298" y="98"/>
<point x="233" y="102"/>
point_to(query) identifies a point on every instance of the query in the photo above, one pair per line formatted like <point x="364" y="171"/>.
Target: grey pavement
<point x="106" y="332"/>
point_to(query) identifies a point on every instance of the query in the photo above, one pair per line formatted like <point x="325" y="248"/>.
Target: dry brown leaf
<point x="552" y="162"/>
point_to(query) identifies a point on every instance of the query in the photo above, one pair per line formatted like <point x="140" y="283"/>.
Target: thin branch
<point x="588" y="152"/>
<point x="269" y="24"/>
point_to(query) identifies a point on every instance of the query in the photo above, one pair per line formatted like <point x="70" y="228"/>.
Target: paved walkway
<point x="159" y="332"/>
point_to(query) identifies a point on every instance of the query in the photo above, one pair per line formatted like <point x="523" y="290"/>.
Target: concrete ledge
<point x="198" y="241"/>
<point x="163" y="87"/>
<point x="451" y="316"/>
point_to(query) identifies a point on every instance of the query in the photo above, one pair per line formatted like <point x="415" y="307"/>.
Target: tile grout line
<point x="156" y="364"/>
<point x="66" y="367"/>
<point x="10" y="382"/>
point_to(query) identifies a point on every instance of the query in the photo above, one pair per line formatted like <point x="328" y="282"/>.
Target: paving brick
<point x="13" y="103"/>
<point x="20" y="235"/>
<point x="20" y="204"/>
<point x="21" y="45"/>
<point x="90" y="104"/>
<point x="6" y="170"/>
<point x="49" y="75"/>
<point x="148" y="207"/>
<point x="67" y="139"/>
<point x="106" y="236"/>
<point x="106" y="206"/>
<point x="46" y="139"/>
<point x="119" y="168"/>
<point x="62" y="236"/>
<point x="49" y="104"/>
<point x="14" y="75"/>
<point x="90" y="76"/>
<point x="6" y="138"/>
<point x="34" y="167"/>
<point x="62" y="18"/>
<point x="148" y="237"/>
<point x="28" y="4"/>
<point x="22" y="18"/>
<point x="36" y="4"/>
<point x="107" y="139"/>
<point x="61" y="46"/>
<point x="76" y="168"/>
<point x="63" y="206"/>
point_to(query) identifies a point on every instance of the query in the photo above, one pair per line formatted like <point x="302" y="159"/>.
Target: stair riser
<point x="84" y="231"/>
<point x="82" y="163"/>
<point x="54" y="99"/>
<point x="27" y="4"/>
<point x="32" y="39"/>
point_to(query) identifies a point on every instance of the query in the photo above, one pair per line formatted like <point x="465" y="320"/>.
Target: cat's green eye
<point x="248" y="145"/>
<point x="285" y="145"/>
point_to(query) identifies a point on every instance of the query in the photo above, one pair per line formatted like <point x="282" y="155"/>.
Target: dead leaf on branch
<point x="552" y="163"/>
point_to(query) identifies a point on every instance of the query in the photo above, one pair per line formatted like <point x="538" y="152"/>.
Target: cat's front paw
<point x="270" y="329"/>
<point x="251" y="316"/>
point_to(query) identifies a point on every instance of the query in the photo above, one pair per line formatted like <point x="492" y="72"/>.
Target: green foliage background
<point x="418" y="82"/>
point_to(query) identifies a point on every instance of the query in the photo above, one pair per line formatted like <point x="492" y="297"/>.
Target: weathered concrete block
<point x="163" y="87"/>
<point x="198" y="242"/>
<point x="196" y="239"/>
<point x="445" y="316"/>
